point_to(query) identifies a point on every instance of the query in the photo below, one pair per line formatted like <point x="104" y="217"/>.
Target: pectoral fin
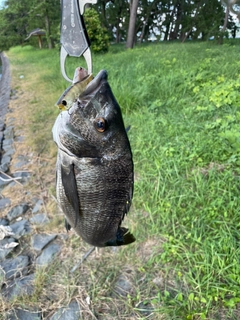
<point x="70" y="188"/>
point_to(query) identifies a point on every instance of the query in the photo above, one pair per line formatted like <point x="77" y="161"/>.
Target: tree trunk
<point x="167" y="23"/>
<point x="167" y="30"/>
<point x="143" y="30"/>
<point x="175" y="31"/>
<point x="118" y="18"/>
<point x="234" y="32"/>
<point x="220" y="39"/>
<point x="104" y="11"/>
<point x="185" y="35"/>
<point x="132" y="23"/>
<point x="48" y="33"/>
<point x="145" y="22"/>
<point x="118" y="32"/>
<point x="171" y="22"/>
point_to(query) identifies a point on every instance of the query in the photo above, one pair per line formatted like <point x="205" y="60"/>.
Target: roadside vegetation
<point x="183" y="104"/>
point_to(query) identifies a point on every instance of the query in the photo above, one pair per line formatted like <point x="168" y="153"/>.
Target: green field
<point x="183" y="104"/>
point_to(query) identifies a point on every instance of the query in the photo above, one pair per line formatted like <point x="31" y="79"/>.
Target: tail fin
<point x="67" y="225"/>
<point x="123" y="237"/>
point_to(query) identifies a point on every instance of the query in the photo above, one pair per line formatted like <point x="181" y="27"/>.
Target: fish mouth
<point x="94" y="85"/>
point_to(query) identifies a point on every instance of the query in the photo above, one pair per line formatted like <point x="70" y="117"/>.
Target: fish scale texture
<point x="103" y="193"/>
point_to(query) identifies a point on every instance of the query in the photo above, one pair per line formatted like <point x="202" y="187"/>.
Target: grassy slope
<point x="182" y="102"/>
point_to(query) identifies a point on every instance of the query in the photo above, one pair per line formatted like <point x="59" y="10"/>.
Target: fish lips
<point x="81" y="109"/>
<point x="93" y="87"/>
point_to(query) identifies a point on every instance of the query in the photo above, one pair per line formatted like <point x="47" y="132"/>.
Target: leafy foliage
<point x="160" y="20"/>
<point x="19" y="18"/>
<point x="96" y="32"/>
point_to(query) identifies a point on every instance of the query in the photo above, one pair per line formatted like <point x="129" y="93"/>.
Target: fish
<point x="94" y="169"/>
<point x="80" y="80"/>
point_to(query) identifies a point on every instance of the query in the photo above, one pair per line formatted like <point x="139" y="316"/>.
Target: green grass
<point x="183" y="104"/>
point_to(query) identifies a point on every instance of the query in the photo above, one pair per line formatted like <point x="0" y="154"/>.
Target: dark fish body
<point x="94" y="166"/>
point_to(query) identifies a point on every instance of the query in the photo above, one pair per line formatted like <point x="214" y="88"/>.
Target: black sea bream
<point x="94" y="166"/>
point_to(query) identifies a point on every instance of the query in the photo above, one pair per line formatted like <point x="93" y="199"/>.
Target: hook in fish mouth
<point x="91" y="89"/>
<point x="94" y="85"/>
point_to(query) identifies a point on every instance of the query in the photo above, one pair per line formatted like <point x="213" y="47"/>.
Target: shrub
<point x="98" y="34"/>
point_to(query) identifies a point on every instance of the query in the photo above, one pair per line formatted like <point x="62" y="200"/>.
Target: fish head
<point x="94" y="126"/>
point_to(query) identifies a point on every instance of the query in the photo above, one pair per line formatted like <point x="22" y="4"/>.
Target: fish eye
<point x="64" y="103"/>
<point x="100" y="124"/>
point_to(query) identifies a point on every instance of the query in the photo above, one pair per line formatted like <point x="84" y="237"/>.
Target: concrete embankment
<point x="4" y="94"/>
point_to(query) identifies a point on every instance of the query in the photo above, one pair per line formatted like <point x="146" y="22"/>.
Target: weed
<point x="182" y="102"/>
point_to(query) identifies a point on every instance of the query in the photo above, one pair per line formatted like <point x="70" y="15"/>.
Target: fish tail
<point x="123" y="237"/>
<point x="128" y="238"/>
<point x="67" y="225"/>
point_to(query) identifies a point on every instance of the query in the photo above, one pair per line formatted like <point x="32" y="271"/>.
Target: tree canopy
<point x="153" y="20"/>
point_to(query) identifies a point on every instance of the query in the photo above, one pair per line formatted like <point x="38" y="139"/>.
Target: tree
<point x="46" y="15"/>
<point x="132" y="24"/>
<point x="208" y="19"/>
<point x="149" y="12"/>
<point x="14" y="20"/>
<point x="114" y="16"/>
<point x="220" y="40"/>
<point x="125" y="20"/>
<point x="234" y="6"/>
<point x="98" y="35"/>
<point x="18" y="18"/>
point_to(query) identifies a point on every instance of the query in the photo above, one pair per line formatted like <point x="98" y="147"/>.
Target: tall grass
<point x="182" y="102"/>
